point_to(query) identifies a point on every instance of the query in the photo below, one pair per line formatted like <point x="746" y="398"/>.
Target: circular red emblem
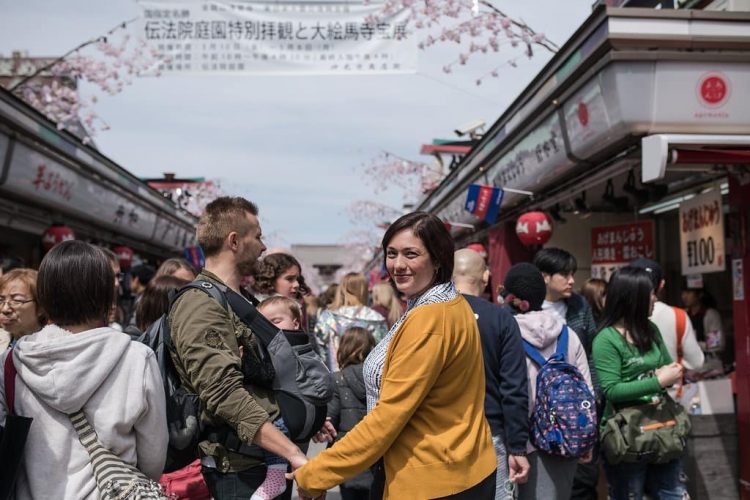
<point x="714" y="90"/>
<point x="583" y="113"/>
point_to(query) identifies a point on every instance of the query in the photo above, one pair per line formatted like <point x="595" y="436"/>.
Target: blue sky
<point x="295" y="145"/>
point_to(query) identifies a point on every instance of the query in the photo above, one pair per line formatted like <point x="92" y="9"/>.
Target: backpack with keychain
<point x="564" y="420"/>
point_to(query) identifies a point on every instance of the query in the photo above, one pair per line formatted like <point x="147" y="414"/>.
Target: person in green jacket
<point x="634" y="367"/>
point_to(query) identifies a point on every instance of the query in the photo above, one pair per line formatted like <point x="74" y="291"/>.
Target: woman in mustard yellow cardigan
<point x="425" y="386"/>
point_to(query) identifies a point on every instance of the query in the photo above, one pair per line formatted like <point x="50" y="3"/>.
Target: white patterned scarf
<point x="373" y="366"/>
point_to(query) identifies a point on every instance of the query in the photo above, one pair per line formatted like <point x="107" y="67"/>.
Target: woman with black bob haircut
<point x="424" y="382"/>
<point x="75" y="363"/>
<point x="634" y="369"/>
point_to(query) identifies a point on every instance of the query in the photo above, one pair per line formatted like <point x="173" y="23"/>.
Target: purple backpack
<point x="564" y="419"/>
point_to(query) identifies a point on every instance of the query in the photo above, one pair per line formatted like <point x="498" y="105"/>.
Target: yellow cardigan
<point x="429" y="423"/>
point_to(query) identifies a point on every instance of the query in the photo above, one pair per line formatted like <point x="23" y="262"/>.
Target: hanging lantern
<point x="56" y="234"/>
<point x="534" y="228"/>
<point x="124" y="256"/>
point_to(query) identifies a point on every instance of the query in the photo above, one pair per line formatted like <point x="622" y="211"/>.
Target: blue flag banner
<point x="484" y="202"/>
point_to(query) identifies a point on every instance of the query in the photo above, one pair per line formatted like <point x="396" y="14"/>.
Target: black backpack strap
<point x="205" y="286"/>
<point x="263" y="329"/>
<point x="244" y="308"/>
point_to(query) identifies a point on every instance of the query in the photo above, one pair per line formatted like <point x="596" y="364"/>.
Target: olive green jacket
<point x="207" y="339"/>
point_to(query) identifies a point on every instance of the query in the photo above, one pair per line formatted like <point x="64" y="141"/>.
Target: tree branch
<point x="102" y="38"/>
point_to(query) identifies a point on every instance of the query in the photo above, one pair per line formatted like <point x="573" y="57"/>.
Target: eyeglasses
<point x="13" y="303"/>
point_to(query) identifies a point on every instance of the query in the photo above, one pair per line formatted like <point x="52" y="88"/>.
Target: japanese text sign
<point x="291" y="37"/>
<point x="616" y="246"/>
<point x="702" y="234"/>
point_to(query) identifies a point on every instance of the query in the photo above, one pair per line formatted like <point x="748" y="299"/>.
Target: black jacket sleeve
<point x="513" y="385"/>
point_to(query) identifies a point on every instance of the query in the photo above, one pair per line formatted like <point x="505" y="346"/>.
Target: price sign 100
<point x="700" y="252"/>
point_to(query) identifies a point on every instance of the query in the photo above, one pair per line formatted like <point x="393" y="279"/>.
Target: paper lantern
<point x="124" y="256"/>
<point x="56" y="234"/>
<point x="534" y="228"/>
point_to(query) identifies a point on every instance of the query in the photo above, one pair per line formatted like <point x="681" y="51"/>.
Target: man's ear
<point x="233" y="240"/>
<point x="485" y="278"/>
<point x="547" y="278"/>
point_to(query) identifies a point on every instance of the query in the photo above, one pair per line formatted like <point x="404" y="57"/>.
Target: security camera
<point x="471" y="129"/>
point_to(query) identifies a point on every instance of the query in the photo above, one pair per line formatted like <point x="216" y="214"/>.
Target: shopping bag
<point x="14" y="434"/>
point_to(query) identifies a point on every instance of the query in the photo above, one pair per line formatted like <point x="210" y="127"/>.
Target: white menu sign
<point x="702" y="234"/>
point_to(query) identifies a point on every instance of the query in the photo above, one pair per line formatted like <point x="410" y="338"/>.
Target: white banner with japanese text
<point x="702" y="234"/>
<point x="277" y="37"/>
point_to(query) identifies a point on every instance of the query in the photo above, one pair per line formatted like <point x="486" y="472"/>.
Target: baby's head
<point x="282" y="311"/>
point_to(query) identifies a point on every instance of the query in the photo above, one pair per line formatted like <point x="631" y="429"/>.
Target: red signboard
<point x="622" y="243"/>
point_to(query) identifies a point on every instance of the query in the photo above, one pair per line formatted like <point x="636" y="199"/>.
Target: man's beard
<point x="248" y="267"/>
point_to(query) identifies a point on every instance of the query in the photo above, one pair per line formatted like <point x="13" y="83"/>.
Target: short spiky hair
<point x="221" y="217"/>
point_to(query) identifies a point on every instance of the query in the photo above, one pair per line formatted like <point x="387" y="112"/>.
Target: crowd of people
<point x="436" y="392"/>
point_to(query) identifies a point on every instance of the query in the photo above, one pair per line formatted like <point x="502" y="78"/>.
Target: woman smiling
<point x="425" y="386"/>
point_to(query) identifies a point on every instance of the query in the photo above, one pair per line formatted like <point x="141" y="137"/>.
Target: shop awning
<point x="661" y="149"/>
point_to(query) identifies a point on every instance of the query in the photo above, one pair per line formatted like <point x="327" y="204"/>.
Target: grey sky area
<point x="294" y="144"/>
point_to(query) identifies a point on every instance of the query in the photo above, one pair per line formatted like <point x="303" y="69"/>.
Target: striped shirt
<point x="375" y="361"/>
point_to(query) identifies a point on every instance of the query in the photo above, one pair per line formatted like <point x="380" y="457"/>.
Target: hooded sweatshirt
<point x="331" y="326"/>
<point x="541" y="329"/>
<point x="117" y="384"/>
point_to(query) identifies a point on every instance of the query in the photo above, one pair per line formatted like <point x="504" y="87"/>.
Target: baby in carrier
<point x="285" y="314"/>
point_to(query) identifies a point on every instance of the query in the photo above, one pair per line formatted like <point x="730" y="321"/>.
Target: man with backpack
<point x="506" y="402"/>
<point x="207" y="338"/>
<point x="558" y="267"/>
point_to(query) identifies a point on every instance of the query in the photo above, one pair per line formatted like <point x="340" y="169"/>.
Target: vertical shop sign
<point x="702" y="234"/>
<point x="613" y="247"/>
<point x="288" y="38"/>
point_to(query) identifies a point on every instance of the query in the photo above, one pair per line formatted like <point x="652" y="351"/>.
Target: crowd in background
<point x="404" y="357"/>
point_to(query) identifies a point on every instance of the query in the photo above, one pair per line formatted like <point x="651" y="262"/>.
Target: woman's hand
<point x="303" y="495"/>
<point x="669" y="374"/>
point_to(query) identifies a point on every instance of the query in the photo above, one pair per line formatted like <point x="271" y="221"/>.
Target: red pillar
<point x="739" y="196"/>
<point x="504" y="250"/>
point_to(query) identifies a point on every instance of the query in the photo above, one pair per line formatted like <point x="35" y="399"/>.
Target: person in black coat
<point x="348" y="405"/>
<point x="506" y="403"/>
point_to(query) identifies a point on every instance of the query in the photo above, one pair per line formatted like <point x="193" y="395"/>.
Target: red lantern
<point x="534" y="228"/>
<point x="56" y="234"/>
<point x="124" y="257"/>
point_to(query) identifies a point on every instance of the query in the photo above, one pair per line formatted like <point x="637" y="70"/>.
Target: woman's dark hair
<point x="268" y="270"/>
<point x="155" y="299"/>
<point x="435" y="238"/>
<point x="555" y="260"/>
<point x="356" y="344"/>
<point x="75" y="284"/>
<point x="629" y="299"/>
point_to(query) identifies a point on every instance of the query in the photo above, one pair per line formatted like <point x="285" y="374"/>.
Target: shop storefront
<point x="48" y="178"/>
<point x="635" y="140"/>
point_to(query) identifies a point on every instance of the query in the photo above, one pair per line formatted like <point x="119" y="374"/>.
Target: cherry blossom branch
<point x="61" y="101"/>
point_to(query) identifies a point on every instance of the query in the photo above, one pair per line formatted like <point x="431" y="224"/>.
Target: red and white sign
<point x="613" y="247"/>
<point x="713" y="90"/>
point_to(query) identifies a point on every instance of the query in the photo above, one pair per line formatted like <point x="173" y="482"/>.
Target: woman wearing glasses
<point x="20" y="313"/>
